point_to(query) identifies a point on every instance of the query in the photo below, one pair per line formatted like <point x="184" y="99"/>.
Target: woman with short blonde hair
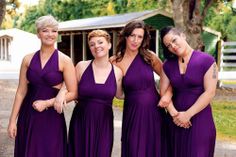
<point x="46" y="21"/>
<point x="37" y="122"/>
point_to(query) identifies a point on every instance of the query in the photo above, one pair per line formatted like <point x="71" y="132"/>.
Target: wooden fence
<point x="227" y="61"/>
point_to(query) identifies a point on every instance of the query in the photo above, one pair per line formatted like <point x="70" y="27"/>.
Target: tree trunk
<point x="188" y="17"/>
<point x="2" y="10"/>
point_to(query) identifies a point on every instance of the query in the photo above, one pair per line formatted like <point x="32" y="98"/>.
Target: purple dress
<point x="141" y="127"/>
<point x="91" y="125"/>
<point x="41" y="134"/>
<point x="199" y="139"/>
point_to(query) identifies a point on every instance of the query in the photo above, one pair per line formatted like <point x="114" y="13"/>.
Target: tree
<point x="32" y="13"/>
<point x="222" y="18"/>
<point x="125" y="6"/>
<point x="9" y="7"/>
<point x="2" y="10"/>
<point x="189" y="16"/>
<point x="231" y="31"/>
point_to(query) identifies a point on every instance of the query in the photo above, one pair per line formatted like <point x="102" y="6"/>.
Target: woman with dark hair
<point x="142" y="120"/>
<point x="193" y="77"/>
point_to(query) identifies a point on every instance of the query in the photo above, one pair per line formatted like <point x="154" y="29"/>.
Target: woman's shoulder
<point x="27" y="58"/>
<point x="83" y="64"/>
<point x="203" y="60"/>
<point x="64" y="57"/>
<point x="204" y="56"/>
<point x="64" y="61"/>
<point x="113" y="60"/>
<point x="29" y="55"/>
<point x="81" y="67"/>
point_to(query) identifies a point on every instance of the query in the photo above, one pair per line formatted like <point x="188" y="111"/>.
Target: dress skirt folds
<point x="41" y="134"/>
<point x="199" y="139"/>
<point x="91" y="125"/>
<point x="142" y="120"/>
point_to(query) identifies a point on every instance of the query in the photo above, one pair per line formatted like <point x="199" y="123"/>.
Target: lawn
<point x="224" y="113"/>
<point x="225" y="119"/>
<point x="229" y="82"/>
<point x="118" y="103"/>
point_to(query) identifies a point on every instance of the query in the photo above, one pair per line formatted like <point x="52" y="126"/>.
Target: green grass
<point x="224" y="113"/>
<point x="229" y="82"/>
<point x="118" y="103"/>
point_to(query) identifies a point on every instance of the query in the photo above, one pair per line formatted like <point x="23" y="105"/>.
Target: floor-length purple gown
<point x="41" y="134"/>
<point x="91" y="125"/>
<point x="141" y="127"/>
<point x="199" y="139"/>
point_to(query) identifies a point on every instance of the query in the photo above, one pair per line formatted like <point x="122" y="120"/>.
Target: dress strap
<point x="34" y="58"/>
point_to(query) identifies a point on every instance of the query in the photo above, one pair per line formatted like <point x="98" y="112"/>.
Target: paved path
<point x="7" y="91"/>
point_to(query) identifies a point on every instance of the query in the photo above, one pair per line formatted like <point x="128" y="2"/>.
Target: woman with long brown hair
<point x="142" y="120"/>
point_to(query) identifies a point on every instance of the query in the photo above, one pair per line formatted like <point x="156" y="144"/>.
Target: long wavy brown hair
<point x="126" y="32"/>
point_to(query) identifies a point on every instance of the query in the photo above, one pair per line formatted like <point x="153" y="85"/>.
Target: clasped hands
<point x="181" y="119"/>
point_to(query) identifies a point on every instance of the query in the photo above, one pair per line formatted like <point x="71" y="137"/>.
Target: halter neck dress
<point x="41" y="134"/>
<point x="91" y="125"/>
<point x="142" y="120"/>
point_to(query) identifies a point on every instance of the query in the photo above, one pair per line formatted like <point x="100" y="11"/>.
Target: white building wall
<point x="22" y="43"/>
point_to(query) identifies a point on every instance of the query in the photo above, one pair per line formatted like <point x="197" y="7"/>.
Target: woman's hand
<point x="40" y="105"/>
<point x="182" y="119"/>
<point x="60" y="101"/>
<point x="164" y="101"/>
<point x="12" y="130"/>
<point x="172" y="110"/>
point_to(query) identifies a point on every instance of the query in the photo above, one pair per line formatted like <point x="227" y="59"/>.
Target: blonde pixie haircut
<point x="99" y="33"/>
<point x="46" y="21"/>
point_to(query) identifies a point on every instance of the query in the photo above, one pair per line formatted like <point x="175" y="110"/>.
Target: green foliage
<point x="221" y="18"/>
<point x="77" y="9"/>
<point x="121" y="6"/>
<point x="118" y="103"/>
<point x="73" y="9"/>
<point x="11" y="14"/>
<point x="220" y="23"/>
<point x="99" y="8"/>
<point x="224" y="116"/>
<point x="140" y="5"/>
<point x="65" y="10"/>
<point x="28" y="23"/>
<point x="231" y="31"/>
<point x="210" y="41"/>
<point x="229" y="82"/>
<point x="12" y="5"/>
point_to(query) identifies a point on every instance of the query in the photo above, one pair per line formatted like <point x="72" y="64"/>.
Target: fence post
<point x="219" y="52"/>
<point x="219" y="59"/>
